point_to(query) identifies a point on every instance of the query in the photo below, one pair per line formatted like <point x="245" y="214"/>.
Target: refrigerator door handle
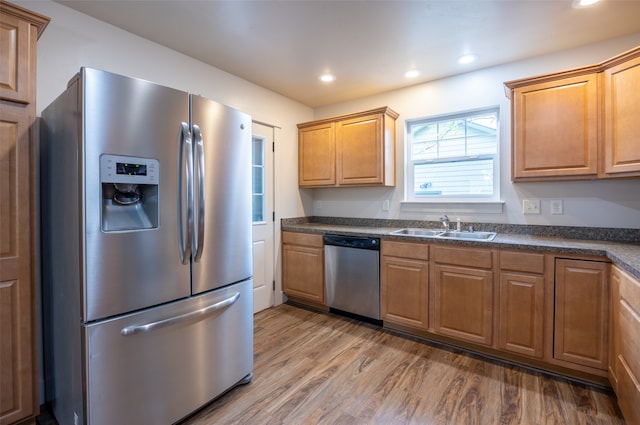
<point x="186" y="172"/>
<point x="199" y="158"/>
<point x="191" y="316"/>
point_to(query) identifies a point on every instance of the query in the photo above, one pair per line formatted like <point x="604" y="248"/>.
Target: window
<point x="258" y="179"/>
<point x="453" y="157"/>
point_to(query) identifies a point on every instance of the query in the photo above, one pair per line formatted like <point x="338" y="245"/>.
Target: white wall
<point x="72" y="40"/>
<point x="586" y="203"/>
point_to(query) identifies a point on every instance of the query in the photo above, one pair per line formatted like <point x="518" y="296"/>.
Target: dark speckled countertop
<point x="622" y="246"/>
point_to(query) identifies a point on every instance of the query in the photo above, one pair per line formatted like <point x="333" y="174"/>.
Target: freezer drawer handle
<point x="198" y="314"/>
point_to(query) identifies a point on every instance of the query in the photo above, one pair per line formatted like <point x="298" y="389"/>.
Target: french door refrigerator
<point x="146" y="251"/>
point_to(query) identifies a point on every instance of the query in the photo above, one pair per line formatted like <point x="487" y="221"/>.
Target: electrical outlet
<point x="556" y="206"/>
<point x="531" y="206"/>
<point x="317" y="205"/>
<point x="385" y="205"/>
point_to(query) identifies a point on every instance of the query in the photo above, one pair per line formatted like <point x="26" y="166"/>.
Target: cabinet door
<point x="621" y="125"/>
<point x="521" y="325"/>
<point x="317" y="155"/>
<point x="17" y="363"/>
<point x="15" y="58"/>
<point x="581" y="313"/>
<point x="555" y="129"/>
<point x="360" y="150"/>
<point x="614" y="326"/>
<point x="303" y="272"/>
<point x="404" y="292"/>
<point x="463" y="303"/>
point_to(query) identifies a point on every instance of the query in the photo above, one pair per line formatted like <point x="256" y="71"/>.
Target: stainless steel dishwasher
<point x="352" y="275"/>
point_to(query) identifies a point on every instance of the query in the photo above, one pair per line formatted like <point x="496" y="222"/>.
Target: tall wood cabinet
<point x="577" y="124"/>
<point x="19" y="32"/>
<point x="349" y="150"/>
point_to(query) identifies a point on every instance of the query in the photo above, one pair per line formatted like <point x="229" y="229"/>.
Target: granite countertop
<point x="623" y="250"/>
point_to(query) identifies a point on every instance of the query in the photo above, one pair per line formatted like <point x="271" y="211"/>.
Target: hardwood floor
<point x="316" y="368"/>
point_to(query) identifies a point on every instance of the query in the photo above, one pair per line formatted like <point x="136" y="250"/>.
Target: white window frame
<point x="409" y="174"/>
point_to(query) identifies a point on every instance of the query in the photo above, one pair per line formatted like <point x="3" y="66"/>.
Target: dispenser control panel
<point x="129" y="169"/>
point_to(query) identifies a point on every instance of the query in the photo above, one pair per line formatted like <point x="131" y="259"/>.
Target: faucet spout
<point x="445" y="222"/>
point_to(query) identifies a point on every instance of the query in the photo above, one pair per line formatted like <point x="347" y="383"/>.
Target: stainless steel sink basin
<point x="425" y="233"/>
<point x="482" y="236"/>
<point x="437" y="233"/>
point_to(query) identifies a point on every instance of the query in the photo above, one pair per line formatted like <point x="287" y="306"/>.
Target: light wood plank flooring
<point x="317" y="368"/>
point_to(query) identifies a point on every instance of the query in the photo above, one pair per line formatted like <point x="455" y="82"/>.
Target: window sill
<point x="462" y="207"/>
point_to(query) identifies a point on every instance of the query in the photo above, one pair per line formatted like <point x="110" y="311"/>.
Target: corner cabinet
<point x="577" y="124"/>
<point x="349" y="150"/>
<point x="624" y="361"/>
<point x="303" y="267"/>
<point x="19" y="32"/>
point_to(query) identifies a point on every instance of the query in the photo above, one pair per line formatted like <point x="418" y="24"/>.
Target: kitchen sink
<point x="442" y="234"/>
<point x="425" y="233"/>
<point x="482" y="236"/>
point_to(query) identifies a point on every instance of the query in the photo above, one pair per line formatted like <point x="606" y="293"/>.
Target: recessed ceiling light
<point x="327" y="78"/>
<point x="412" y="73"/>
<point x="577" y="4"/>
<point x="468" y="58"/>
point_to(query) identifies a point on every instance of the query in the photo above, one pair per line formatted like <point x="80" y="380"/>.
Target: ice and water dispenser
<point x="129" y="193"/>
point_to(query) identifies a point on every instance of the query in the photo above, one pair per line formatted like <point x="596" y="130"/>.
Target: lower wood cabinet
<point x="522" y="303"/>
<point x="625" y="364"/>
<point x="404" y="284"/>
<point x="463" y="303"/>
<point x="303" y="266"/>
<point x="581" y="324"/>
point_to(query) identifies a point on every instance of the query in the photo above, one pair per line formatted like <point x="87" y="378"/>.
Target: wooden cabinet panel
<point x="303" y="269"/>
<point x="581" y="313"/>
<point x="19" y="31"/>
<point x="462" y="304"/>
<point x="555" y="128"/>
<point x="614" y="326"/>
<point x="481" y="258"/>
<point x="404" y="286"/>
<point x="521" y="324"/>
<point x="621" y="112"/>
<point x="317" y="155"/>
<point x="349" y="150"/>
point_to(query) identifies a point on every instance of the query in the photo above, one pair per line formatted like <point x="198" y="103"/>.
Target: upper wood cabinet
<point x="349" y="150"/>
<point x="577" y="124"/>
<point x="19" y="31"/>
<point x="621" y="113"/>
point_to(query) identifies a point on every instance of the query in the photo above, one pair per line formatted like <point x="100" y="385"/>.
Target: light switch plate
<point x="531" y="206"/>
<point x="556" y="206"/>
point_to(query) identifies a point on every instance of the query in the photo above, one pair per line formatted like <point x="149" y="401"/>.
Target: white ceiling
<point x="285" y="45"/>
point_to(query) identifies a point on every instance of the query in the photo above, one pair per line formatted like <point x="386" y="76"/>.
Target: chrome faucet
<point x="445" y="222"/>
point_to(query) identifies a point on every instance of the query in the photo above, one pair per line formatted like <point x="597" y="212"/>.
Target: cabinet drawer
<point x="463" y="256"/>
<point x="522" y="262"/>
<point x="306" y="239"/>
<point x="630" y="292"/>
<point x="406" y="250"/>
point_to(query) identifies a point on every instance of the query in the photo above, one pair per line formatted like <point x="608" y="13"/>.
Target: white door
<point x="263" y="216"/>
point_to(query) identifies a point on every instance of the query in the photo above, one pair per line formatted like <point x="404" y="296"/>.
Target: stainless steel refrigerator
<point x="146" y="251"/>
